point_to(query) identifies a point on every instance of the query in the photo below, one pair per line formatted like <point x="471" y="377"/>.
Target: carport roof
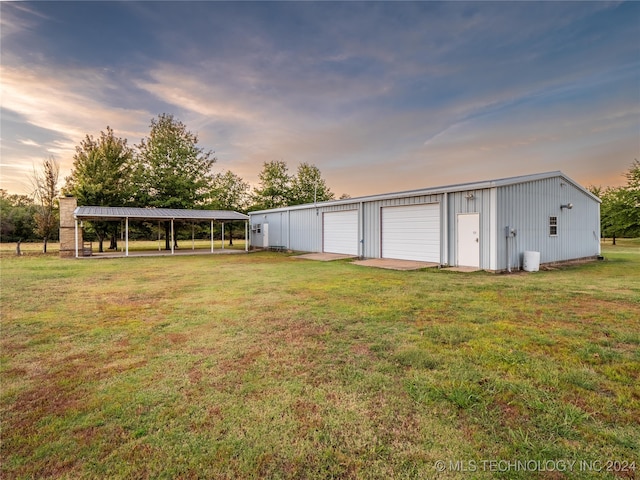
<point x="117" y="213"/>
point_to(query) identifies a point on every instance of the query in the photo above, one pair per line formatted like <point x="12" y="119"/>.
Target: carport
<point x="125" y="214"/>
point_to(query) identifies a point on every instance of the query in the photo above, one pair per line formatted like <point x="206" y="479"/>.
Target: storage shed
<point x="488" y="224"/>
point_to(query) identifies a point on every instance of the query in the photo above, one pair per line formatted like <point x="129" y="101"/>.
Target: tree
<point x="630" y="215"/>
<point x="173" y="171"/>
<point x="229" y="192"/>
<point x="308" y="186"/>
<point x="279" y="189"/>
<point x="102" y="175"/>
<point x="45" y="193"/>
<point x="17" y="221"/>
<point x="620" y="209"/>
<point x="275" y="186"/>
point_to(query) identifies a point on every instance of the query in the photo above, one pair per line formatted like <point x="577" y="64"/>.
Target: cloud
<point x="63" y="103"/>
<point x="17" y="17"/>
<point x="397" y="94"/>
<point x="28" y="142"/>
<point x="185" y="90"/>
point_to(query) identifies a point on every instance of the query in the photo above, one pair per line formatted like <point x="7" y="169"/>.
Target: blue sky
<point x="381" y="96"/>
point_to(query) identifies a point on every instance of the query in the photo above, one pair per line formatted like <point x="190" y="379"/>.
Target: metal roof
<point x="117" y="213"/>
<point x="444" y="189"/>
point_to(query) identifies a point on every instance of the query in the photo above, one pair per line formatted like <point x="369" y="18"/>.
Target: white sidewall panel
<point x="411" y="232"/>
<point x="340" y="232"/>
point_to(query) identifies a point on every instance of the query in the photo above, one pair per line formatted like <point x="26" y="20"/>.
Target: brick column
<point x="68" y="228"/>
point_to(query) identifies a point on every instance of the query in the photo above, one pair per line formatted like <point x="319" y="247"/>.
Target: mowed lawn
<point x="266" y="366"/>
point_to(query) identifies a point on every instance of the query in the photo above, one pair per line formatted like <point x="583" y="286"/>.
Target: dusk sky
<point x="382" y="96"/>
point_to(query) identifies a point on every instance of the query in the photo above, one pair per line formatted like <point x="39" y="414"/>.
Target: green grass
<point x="265" y="366"/>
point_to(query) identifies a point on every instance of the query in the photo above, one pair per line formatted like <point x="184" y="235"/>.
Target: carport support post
<point x="223" y="235"/>
<point x="246" y="235"/>
<point x="76" y="238"/>
<point x="211" y="236"/>
<point x="126" y="236"/>
<point x="193" y="238"/>
<point x="159" y="245"/>
<point x="172" y="241"/>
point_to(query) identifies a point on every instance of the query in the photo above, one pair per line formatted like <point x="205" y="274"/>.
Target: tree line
<point x="620" y="209"/>
<point x="167" y="169"/>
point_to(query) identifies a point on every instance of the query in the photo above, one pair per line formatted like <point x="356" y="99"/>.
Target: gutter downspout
<point x="76" y="238"/>
<point x="444" y="260"/>
<point x="507" y="235"/>
<point x="362" y="230"/>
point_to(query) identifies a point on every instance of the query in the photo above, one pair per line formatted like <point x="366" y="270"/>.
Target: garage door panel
<point x="340" y="232"/>
<point x="411" y="232"/>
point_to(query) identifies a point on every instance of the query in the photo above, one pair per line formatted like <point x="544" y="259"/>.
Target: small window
<point x="553" y="226"/>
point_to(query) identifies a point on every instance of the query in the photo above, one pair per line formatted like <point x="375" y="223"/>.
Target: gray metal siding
<point x="278" y="227"/>
<point x="527" y="208"/>
<point x="470" y="201"/>
<point x="305" y="232"/>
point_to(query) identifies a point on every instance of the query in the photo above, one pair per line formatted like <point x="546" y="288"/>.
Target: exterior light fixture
<point x="469" y="196"/>
<point x="568" y="206"/>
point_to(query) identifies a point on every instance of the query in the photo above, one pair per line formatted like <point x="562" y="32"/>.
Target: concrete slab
<point x="463" y="269"/>
<point x="391" y="264"/>
<point x="323" y="257"/>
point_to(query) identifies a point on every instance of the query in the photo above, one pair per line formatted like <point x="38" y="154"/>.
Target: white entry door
<point x="469" y="240"/>
<point x="265" y="235"/>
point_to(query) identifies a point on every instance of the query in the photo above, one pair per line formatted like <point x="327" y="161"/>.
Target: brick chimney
<point x="68" y="228"/>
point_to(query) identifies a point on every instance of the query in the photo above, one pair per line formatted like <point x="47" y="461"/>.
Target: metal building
<point x="488" y="225"/>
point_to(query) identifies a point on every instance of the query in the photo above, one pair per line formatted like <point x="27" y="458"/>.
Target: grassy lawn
<point x="265" y="366"/>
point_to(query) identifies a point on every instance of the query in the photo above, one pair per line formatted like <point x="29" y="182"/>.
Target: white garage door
<point x="411" y="232"/>
<point x="340" y="232"/>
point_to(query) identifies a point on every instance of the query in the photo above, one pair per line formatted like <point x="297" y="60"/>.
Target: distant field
<point x="35" y="248"/>
<point x="265" y="366"/>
